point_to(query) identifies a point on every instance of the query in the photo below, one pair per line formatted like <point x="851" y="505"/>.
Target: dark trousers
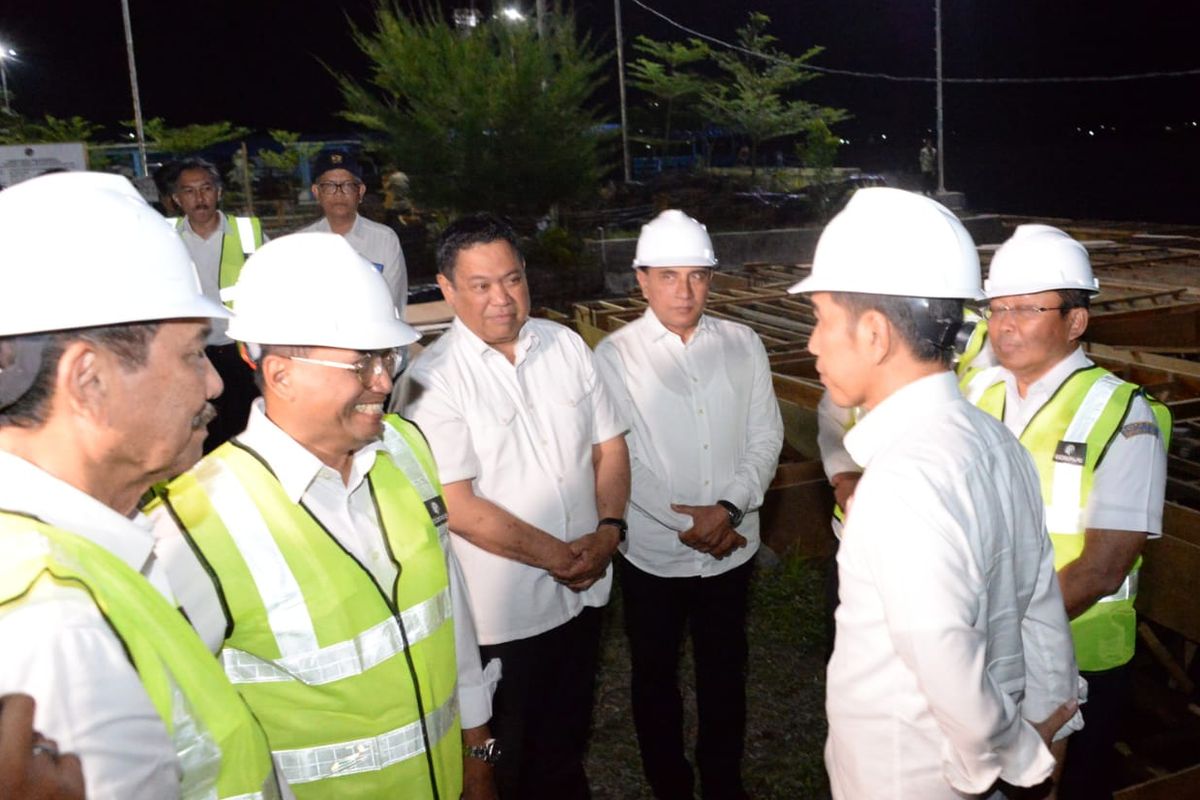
<point x="658" y="612"/>
<point x="233" y="406"/>
<point x="1088" y="773"/>
<point x="542" y="710"/>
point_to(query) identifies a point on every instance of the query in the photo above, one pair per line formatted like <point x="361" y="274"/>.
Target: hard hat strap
<point x="20" y="362"/>
<point x="941" y="332"/>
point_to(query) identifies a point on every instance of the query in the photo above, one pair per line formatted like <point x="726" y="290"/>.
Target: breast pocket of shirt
<point x="568" y="411"/>
<point x="493" y="428"/>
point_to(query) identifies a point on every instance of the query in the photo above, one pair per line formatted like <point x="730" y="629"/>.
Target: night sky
<point x="1018" y="148"/>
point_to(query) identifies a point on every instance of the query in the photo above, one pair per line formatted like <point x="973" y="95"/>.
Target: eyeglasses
<point x="1020" y="312"/>
<point x="369" y="368"/>
<point x="333" y="187"/>
<point x="192" y="191"/>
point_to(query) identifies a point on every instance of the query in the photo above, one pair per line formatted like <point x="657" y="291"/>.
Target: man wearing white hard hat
<point x="532" y="453"/>
<point x="704" y="442"/>
<point x="104" y="391"/>
<point x="315" y="548"/>
<point x="951" y="635"/>
<point x="1100" y="446"/>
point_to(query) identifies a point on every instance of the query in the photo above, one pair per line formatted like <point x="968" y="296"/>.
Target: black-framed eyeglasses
<point x="368" y="368"/>
<point x="1020" y="312"/>
<point x="333" y="187"/>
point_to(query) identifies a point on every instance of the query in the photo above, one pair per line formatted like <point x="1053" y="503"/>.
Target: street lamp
<point x="6" y="54"/>
<point x="512" y="14"/>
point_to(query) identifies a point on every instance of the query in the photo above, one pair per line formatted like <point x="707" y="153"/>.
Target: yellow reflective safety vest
<point x="244" y="238"/>
<point x="222" y="750"/>
<point x="355" y="684"/>
<point x="1067" y="438"/>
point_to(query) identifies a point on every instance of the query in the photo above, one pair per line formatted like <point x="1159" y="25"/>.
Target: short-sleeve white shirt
<point x="58" y="648"/>
<point x="951" y="631"/>
<point x="522" y="433"/>
<point x="704" y="426"/>
<point x="380" y="245"/>
<point x="1131" y="479"/>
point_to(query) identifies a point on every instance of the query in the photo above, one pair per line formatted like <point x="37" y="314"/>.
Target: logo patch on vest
<point x="1070" y="453"/>
<point x="1135" y="428"/>
<point x="436" y="507"/>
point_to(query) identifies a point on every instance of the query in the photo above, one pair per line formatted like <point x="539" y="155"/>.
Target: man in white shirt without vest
<point x="338" y="189"/>
<point x="532" y="455"/>
<point x="704" y="444"/>
<point x="360" y="684"/>
<point x="951" y="632"/>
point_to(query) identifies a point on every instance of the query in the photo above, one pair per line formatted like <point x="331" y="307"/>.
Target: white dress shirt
<point x="347" y="511"/>
<point x="57" y="647"/>
<point x="1131" y="479"/>
<point x="951" y="631"/>
<point x="378" y="244"/>
<point x="206" y="255"/>
<point x="704" y="426"/>
<point x="522" y="433"/>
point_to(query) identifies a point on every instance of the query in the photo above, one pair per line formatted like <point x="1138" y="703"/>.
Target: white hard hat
<point x="673" y="239"/>
<point x="80" y="249"/>
<point x="1039" y="258"/>
<point x="314" y="289"/>
<point x="892" y="242"/>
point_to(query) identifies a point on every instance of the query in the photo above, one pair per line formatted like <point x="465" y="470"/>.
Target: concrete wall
<point x="737" y="248"/>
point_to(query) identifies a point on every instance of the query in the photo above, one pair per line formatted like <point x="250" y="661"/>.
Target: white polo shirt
<point x="1130" y="481"/>
<point x="57" y="647"/>
<point x="522" y="433"/>
<point x="704" y="426"/>
<point x="206" y="255"/>
<point x="951" y="631"/>
<point x="380" y="245"/>
<point x="348" y="512"/>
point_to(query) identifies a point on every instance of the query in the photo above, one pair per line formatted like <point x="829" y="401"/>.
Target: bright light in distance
<point x="6" y="52"/>
<point x="512" y="14"/>
<point x="883" y="136"/>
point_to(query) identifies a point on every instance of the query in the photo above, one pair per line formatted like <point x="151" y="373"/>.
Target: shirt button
<point x="706" y="483"/>
<point x="705" y="447"/>
<point x="700" y="411"/>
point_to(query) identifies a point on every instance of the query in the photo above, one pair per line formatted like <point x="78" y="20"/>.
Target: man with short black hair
<point x="219" y="245"/>
<point x="338" y="189"/>
<point x="531" y="452"/>
<point x="951" y="632"/>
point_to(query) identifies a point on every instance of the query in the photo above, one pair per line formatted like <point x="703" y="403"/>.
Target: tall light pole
<point x="621" y="86"/>
<point x="941" y="134"/>
<point x="6" y="53"/>
<point x="133" y="83"/>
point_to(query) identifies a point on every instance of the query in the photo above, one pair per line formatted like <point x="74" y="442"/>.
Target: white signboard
<point x="19" y="162"/>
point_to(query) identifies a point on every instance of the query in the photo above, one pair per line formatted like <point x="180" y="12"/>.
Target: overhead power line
<point x="915" y="78"/>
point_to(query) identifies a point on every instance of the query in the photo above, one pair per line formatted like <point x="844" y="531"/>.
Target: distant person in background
<point x="219" y="245"/>
<point x="928" y="158"/>
<point x="164" y="181"/>
<point x="338" y="188"/>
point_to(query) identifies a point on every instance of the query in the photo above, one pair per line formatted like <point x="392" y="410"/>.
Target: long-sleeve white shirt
<point x="704" y="426"/>
<point x="951" y="632"/>
<point x="346" y="510"/>
<point x="56" y="646"/>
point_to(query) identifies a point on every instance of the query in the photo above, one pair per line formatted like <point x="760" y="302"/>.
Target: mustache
<point x="207" y="415"/>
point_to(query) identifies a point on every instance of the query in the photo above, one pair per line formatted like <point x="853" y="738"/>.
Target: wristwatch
<point x="735" y="513"/>
<point x="488" y="752"/>
<point x="621" y="525"/>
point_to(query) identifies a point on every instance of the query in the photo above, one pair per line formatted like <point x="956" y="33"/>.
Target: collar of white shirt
<point x="898" y="414"/>
<point x="295" y="467"/>
<point x="1044" y="387"/>
<point x="658" y="330"/>
<point x="27" y="488"/>
<point x="527" y="340"/>
<point x="221" y="228"/>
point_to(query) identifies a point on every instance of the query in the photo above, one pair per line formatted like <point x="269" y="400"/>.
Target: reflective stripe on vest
<point x="221" y="749"/>
<point x="342" y="672"/>
<point x="242" y="240"/>
<point x="246" y="235"/>
<point x="310" y="764"/>
<point x="1067" y="437"/>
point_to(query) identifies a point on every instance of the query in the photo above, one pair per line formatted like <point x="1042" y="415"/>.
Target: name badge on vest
<point x="1071" y="453"/>
<point x="436" y="507"/>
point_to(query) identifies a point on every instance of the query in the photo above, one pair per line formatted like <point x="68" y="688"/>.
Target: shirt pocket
<point x="568" y="408"/>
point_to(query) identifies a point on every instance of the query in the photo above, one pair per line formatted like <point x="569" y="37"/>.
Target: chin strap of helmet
<point x="943" y="333"/>
<point x="20" y="361"/>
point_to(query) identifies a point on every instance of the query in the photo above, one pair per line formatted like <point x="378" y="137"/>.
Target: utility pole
<point x="133" y="83"/>
<point x="621" y="86"/>
<point x="540" y="8"/>
<point x="941" y="133"/>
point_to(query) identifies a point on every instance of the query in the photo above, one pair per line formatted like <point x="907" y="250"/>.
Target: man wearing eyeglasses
<point x="1100" y="446"/>
<point x="219" y="245"/>
<point x="314" y="556"/>
<point x="339" y="189"/>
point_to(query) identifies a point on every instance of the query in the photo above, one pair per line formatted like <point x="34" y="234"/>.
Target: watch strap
<point x="621" y="525"/>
